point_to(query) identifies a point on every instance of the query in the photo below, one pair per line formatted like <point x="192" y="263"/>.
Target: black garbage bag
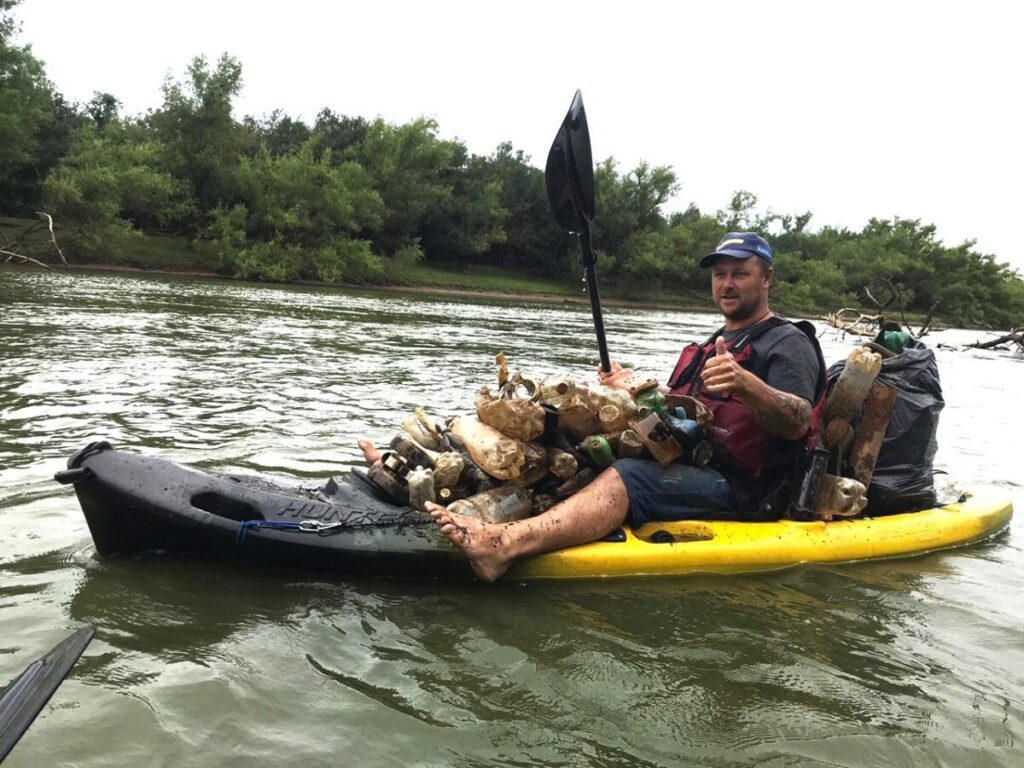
<point x="903" y="474"/>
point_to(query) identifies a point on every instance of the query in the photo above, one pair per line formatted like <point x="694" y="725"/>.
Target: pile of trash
<point x="533" y="442"/>
<point x="537" y="440"/>
<point x="879" y="428"/>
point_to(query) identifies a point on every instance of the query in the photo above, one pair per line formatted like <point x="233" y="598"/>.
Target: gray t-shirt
<point x="784" y="358"/>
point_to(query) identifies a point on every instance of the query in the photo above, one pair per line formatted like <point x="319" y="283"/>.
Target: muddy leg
<point x="587" y="516"/>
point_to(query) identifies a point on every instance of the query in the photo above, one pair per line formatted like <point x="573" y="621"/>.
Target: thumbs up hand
<point x="722" y="374"/>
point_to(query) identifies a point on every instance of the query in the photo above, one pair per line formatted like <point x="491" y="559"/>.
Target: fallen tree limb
<point x="853" y="321"/>
<point x="24" y="259"/>
<point x="53" y="237"/>
<point x="1015" y="336"/>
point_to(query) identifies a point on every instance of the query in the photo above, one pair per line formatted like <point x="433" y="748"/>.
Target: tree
<point x="407" y="164"/>
<point x="203" y="142"/>
<point x="103" y="108"/>
<point x="336" y="133"/>
<point x="25" y="106"/>
<point x="465" y="224"/>
<point x="278" y="133"/>
<point x="112" y="184"/>
<point x="532" y="239"/>
<point x="629" y="204"/>
<point x="739" y="216"/>
<point x="299" y="217"/>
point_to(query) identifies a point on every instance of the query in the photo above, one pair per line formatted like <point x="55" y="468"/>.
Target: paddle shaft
<point x="595" y="297"/>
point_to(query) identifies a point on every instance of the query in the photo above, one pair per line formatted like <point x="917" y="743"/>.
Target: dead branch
<point x="53" y="237"/>
<point x="854" y="321"/>
<point x="1015" y="336"/>
<point x="24" y="259"/>
<point x="925" y="326"/>
<point x="885" y="282"/>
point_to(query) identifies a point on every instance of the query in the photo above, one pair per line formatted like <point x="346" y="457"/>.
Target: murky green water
<point x="901" y="663"/>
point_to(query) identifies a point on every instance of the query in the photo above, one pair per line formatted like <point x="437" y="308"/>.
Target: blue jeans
<point x="678" y="492"/>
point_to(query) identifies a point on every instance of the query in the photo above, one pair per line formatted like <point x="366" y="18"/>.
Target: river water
<point x="898" y="663"/>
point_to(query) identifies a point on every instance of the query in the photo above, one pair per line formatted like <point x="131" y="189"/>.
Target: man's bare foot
<point x="482" y="543"/>
<point x="370" y="452"/>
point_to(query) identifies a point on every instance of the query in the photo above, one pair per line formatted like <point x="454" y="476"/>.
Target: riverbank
<point x="174" y="255"/>
<point x="532" y="294"/>
<point x="171" y="255"/>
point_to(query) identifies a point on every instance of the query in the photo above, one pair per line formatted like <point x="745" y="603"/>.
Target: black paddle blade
<point x="569" y="172"/>
<point x="27" y="695"/>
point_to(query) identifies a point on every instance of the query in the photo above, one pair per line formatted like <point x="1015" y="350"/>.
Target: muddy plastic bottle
<point x="421" y="488"/>
<point x="498" y="505"/>
<point x="448" y="469"/>
<point x="556" y="389"/>
<point x="848" y="394"/>
<point x="563" y="464"/>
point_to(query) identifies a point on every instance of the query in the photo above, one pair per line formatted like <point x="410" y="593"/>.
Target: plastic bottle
<point x="597" y="396"/>
<point x="556" y="389"/>
<point x="498" y="505"/>
<point x="846" y="397"/>
<point x="498" y="455"/>
<point x="599" y="450"/>
<point x="448" y="469"/>
<point x="652" y="400"/>
<point x="630" y="445"/>
<point x="563" y="463"/>
<point x="421" y="488"/>
<point x="388" y="479"/>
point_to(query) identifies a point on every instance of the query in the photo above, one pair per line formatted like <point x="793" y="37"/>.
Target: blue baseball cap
<point x="740" y="245"/>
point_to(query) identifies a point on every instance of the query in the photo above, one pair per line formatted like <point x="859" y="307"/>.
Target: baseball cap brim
<point x="708" y="260"/>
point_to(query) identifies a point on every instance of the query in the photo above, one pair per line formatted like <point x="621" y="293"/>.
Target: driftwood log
<point x="1014" y="336"/>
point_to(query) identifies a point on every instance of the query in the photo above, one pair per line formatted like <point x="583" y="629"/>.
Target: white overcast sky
<point x="849" y="110"/>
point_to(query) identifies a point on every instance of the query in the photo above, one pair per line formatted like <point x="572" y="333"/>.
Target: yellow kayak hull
<point x="701" y="546"/>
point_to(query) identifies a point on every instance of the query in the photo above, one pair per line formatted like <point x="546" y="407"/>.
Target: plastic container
<point x="599" y="450"/>
<point x="862" y="366"/>
<point x="652" y="400"/>
<point x="421" y="488"/>
<point x="498" y="505"/>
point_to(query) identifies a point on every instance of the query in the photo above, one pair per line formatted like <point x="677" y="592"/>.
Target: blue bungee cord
<point x="305" y="526"/>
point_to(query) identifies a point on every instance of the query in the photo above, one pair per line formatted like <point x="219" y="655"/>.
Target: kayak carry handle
<point x="72" y="476"/>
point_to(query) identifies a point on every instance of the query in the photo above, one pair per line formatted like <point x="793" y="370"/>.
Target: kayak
<point x="138" y="504"/>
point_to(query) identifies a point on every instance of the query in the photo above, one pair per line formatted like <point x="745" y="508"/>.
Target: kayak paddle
<point x="569" y="176"/>
<point x="26" y="696"/>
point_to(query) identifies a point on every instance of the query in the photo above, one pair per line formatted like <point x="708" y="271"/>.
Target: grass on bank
<point x="169" y="253"/>
<point x="174" y="254"/>
<point x="146" y="252"/>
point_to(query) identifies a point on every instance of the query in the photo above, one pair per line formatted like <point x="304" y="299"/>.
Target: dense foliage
<point x="347" y="199"/>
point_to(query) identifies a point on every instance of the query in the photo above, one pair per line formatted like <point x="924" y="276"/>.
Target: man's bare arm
<point x="780" y="413"/>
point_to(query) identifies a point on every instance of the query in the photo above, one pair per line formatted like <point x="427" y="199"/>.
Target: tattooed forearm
<point x="780" y="413"/>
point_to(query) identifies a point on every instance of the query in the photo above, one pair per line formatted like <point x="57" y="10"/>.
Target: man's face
<point x="739" y="287"/>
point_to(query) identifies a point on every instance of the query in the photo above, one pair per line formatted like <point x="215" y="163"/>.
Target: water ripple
<point x="205" y="663"/>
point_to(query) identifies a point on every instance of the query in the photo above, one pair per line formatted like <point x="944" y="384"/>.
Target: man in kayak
<point x="760" y="376"/>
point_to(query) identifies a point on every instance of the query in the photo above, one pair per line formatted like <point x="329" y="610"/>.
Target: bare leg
<point x="370" y="452"/>
<point x="589" y="515"/>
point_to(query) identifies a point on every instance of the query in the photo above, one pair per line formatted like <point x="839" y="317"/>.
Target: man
<point x="760" y="376"/>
